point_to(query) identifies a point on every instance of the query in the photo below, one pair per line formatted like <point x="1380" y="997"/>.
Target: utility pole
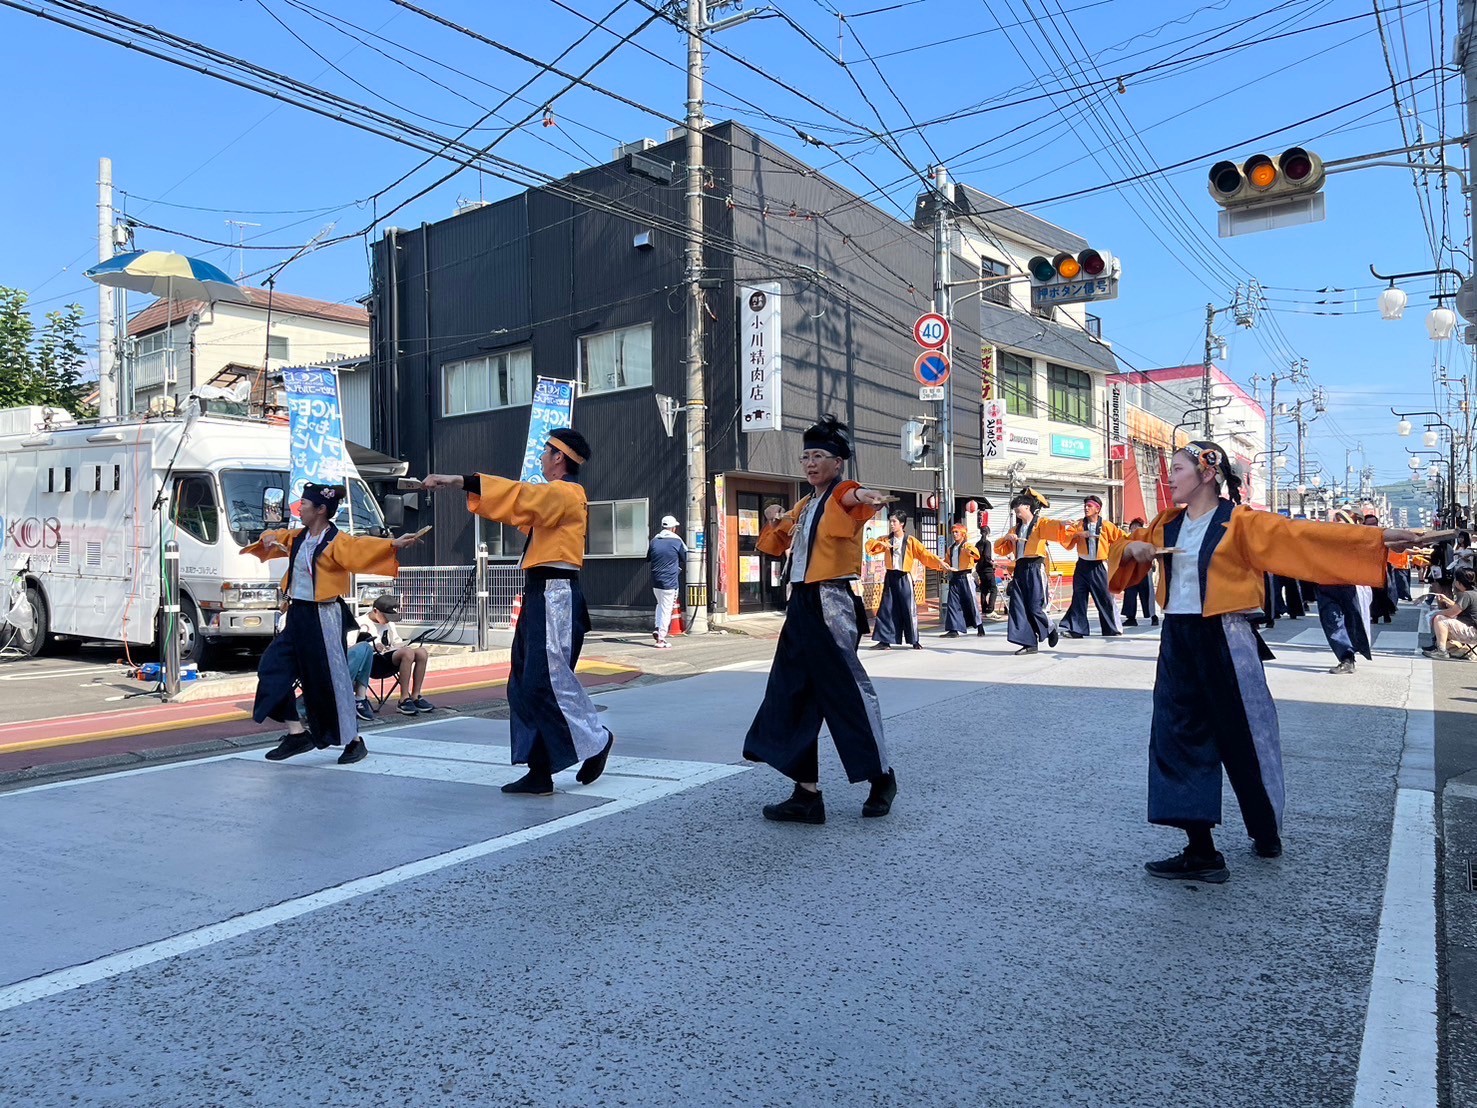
<point x="1209" y="357"/>
<point x="943" y="233"/>
<point x="697" y="390"/>
<point x="1302" y="477"/>
<point x="696" y="406"/>
<point x="1272" y="446"/>
<point x="107" y="344"/>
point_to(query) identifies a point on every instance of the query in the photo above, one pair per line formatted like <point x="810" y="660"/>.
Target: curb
<point x="209" y="688"/>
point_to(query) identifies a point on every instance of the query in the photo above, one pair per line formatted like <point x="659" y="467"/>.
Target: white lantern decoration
<point x="1433" y="471"/>
<point x="1317" y="480"/>
<point x="1392" y="303"/>
<point x="1302" y="488"/>
<point x="1403" y="428"/>
<point x="1440" y="323"/>
<point x="1430" y="438"/>
<point x="1415" y="463"/>
<point x="1281" y="461"/>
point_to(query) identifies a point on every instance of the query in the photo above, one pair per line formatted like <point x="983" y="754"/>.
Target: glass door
<point x="759" y="578"/>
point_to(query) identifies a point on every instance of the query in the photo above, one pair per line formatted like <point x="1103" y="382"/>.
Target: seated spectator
<point x="393" y="655"/>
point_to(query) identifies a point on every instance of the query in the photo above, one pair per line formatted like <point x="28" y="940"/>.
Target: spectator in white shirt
<point x="393" y="655"/>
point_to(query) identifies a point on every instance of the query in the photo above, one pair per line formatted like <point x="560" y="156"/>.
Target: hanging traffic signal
<point x="1073" y="278"/>
<point x="1264" y="193"/>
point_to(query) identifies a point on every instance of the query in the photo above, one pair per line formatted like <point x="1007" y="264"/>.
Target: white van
<point x="85" y="511"/>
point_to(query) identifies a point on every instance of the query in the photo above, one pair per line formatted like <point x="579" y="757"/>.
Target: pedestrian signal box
<point x="1073" y="278"/>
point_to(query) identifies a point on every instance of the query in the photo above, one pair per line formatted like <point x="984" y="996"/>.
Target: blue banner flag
<point x="316" y="426"/>
<point x="553" y="407"/>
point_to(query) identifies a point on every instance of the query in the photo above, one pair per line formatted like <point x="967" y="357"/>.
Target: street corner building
<point x="810" y="295"/>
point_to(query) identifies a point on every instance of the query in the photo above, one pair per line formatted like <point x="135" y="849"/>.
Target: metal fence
<point x="447" y="604"/>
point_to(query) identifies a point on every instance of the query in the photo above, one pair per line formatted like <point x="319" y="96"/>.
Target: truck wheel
<point x="33" y="640"/>
<point x="193" y="646"/>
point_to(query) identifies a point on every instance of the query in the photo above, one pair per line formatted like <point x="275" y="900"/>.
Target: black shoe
<point x="595" y="764"/>
<point x="917" y="646"/>
<point x="1346" y="666"/>
<point x="1130" y="623"/>
<point x="949" y="635"/>
<point x="980" y="630"/>
<point x="882" y="646"/>
<point x="356" y="751"/>
<point x="290" y="746"/>
<point x="1154" y="622"/>
<point x="531" y="784"/>
<point x="363" y="710"/>
<point x="408" y="708"/>
<point x="1112" y="634"/>
<point x="803" y="806"/>
<point x="1073" y="634"/>
<point x="1267" y="848"/>
<point x="423" y="705"/>
<point x="1026" y="650"/>
<point x="884" y="792"/>
<point x="1051" y="639"/>
<point x="1185" y="866"/>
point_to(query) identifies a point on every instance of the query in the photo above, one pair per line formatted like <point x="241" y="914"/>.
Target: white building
<point x="1049" y="365"/>
<point x="176" y="346"/>
<point x="1238" y="421"/>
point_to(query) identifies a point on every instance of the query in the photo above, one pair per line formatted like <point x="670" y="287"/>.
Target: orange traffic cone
<point x="517" y="609"/>
<point x="676" y="625"/>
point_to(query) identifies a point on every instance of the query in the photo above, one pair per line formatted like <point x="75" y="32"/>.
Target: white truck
<point x="86" y="508"/>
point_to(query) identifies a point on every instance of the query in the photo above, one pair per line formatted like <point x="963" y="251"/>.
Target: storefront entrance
<point x="759" y="580"/>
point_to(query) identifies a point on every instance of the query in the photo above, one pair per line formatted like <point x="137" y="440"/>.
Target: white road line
<point x="74" y="977"/>
<point x="1397" y="1060"/>
<point x="1397" y="640"/>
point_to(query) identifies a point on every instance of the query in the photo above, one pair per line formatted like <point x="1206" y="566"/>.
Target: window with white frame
<point x="618" y="529"/>
<point x="619" y="359"/>
<point x="491" y="381"/>
<point x="503" y="540"/>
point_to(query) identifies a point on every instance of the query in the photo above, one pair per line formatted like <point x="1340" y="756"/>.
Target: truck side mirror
<point x="273" y="502"/>
<point x="395" y="510"/>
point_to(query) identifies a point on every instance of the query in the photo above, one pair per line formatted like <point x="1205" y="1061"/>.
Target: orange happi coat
<point x="913" y="552"/>
<point x="837" y="552"/>
<point x="1244" y="544"/>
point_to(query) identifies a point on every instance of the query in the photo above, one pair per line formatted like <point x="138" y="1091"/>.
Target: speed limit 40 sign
<point x="931" y="331"/>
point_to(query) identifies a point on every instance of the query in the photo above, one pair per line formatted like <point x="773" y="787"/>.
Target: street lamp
<point x="1440" y="323"/>
<point x="1430" y="438"/>
<point x="1392" y="302"/>
<point x="1403" y="428"/>
<point x="1317" y="480"/>
<point x="1281" y="461"/>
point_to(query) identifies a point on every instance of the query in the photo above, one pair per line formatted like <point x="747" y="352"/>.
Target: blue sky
<point x="192" y="152"/>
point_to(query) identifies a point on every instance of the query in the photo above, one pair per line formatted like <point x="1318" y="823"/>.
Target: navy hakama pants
<point x="1029" y="622"/>
<point x="1402" y="583"/>
<point x="1091" y="578"/>
<point x="1139" y="596"/>
<point x="1212" y="709"/>
<point x="311" y="650"/>
<point x="897" y="612"/>
<point x="817" y="678"/>
<point x="1343" y="610"/>
<point x="962" y="611"/>
<point x="554" y="722"/>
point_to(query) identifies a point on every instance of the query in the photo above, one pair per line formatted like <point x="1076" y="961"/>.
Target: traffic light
<point x="1072" y="278"/>
<point x="1263" y="193"/>
<point x="915" y="444"/>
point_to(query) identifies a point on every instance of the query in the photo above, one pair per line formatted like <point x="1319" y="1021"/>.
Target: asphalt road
<point x="398" y="932"/>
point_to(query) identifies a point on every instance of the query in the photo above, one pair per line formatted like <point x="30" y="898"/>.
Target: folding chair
<point x="381" y="689"/>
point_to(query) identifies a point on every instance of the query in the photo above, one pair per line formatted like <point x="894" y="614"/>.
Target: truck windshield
<point x="243" y="489"/>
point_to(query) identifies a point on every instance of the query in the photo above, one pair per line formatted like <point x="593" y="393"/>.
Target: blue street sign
<point x="1071" y="446"/>
<point x="931" y="368"/>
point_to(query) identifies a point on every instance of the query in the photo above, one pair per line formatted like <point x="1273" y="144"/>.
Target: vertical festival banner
<point x="316" y="428"/>
<point x="553" y="407"/>
<point x="759" y="355"/>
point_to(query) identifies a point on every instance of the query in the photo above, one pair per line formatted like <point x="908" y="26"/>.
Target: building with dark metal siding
<point x="582" y="279"/>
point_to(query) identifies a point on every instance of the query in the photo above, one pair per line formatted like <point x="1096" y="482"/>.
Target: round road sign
<point x="932" y="331"/>
<point x="931" y="368"/>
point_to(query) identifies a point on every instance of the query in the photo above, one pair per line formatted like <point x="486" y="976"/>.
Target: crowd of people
<point x="1209" y="565"/>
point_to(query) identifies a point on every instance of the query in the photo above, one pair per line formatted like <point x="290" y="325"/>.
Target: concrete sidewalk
<point x="400" y="933"/>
